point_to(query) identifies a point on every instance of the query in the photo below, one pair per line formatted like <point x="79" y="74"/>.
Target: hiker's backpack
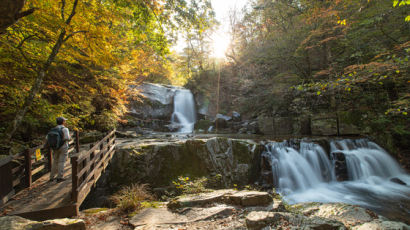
<point x="55" y="137"/>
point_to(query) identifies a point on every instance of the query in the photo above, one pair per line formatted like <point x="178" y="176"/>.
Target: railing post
<point x="27" y="156"/>
<point x="50" y="158"/>
<point x="74" y="178"/>
<point x="77" y="141"/>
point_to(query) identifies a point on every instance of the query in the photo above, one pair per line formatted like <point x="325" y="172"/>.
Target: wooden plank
<point x="86" y="168"/>
<point x="7" y="197"/>
<point x="35" y="171"/>
<point x="17" y="169"/>
<point x="96" y="167"/>
<point x="16" y="182"/>
<point x="53" y="213"/>
<point x="84" y="192"/>
<point x="89" y="163"/>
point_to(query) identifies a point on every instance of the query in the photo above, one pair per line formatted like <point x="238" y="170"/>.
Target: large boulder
<point x="159" y="163"/>
<point x="221" y="121"/>
<point x="156" y="103"/>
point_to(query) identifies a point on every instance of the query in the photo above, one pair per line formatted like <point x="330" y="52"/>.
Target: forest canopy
<point x="82" y="55"/>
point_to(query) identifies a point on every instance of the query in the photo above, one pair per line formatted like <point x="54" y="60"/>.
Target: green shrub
<point x="187" y="186"/>
<point x="132" y="198"/>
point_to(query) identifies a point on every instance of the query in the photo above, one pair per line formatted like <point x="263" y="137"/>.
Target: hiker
<point x="58" y="139"/>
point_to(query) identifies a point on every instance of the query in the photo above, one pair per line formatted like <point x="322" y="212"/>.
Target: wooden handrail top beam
<point x="95" y="147"/>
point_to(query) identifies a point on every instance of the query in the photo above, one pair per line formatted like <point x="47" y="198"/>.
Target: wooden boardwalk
<point x="46" y="199"/>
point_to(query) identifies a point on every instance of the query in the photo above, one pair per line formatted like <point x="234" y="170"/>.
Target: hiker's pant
<point x="58" y="163"/>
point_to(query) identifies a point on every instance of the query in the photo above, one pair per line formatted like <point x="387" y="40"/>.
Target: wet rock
<point x="340" y="166"/>
<point x="262" y="219"/>
<point x="236" y="116"/>
<point x="173" y="127"/>
<point x="19" y="223"/>
<point x="398" y="181"/>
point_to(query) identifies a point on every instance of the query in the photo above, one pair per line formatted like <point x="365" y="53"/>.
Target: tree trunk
<point x="10" y="13"/>
<point x="35" y="89"/>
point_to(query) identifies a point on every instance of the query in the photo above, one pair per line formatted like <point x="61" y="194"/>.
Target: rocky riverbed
<point x="221" y="209"/>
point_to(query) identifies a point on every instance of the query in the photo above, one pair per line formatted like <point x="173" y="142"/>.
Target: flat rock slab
<point x="231" y="197"/>
<point x="19" y="223"/>
<point x="261" y="219"/>
<point x="349" y="215"/>
<point x="385" y="225"/>
<point x="250" y="198"/>
<point x="152" y="217"/>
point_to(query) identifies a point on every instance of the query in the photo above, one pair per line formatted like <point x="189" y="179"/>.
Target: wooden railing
<point x="30" y="164"/>
<point x="88" y="166"/>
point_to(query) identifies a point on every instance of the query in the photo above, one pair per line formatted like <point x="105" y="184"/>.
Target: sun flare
<point x="220" y="44"/>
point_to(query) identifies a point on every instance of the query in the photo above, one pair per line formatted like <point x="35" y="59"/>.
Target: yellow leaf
<point x="397" y="71"/>
<point x="318" y="93"/>
<point x="405" y="113"/>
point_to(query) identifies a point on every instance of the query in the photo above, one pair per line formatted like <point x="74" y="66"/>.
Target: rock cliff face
<point x="157" y="101"/>
<point x="159" y="163"/>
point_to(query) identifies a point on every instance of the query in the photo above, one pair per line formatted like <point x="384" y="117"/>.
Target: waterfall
<point x="184" y="111"/>
<point x="304" y="173"/>
<point x="299" y="169"/>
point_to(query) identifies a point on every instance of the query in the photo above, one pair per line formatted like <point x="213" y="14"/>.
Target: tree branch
<point x="72" y="12"/>
<point x="24" y="13"/>
<point x="62" y="9"/>
<point x="25" y="39"/>
<point x="73" y="33"/>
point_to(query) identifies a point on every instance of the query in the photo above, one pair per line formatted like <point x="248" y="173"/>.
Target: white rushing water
<point x="307" y="175"/>
<point x="184" y="111"/>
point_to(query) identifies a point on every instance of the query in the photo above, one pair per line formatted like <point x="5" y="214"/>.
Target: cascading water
<point x="184" y="111"/>
<point x="306" y="174"/>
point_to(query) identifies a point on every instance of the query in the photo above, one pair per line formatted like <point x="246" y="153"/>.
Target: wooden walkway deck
<point x="46" y="199"/>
